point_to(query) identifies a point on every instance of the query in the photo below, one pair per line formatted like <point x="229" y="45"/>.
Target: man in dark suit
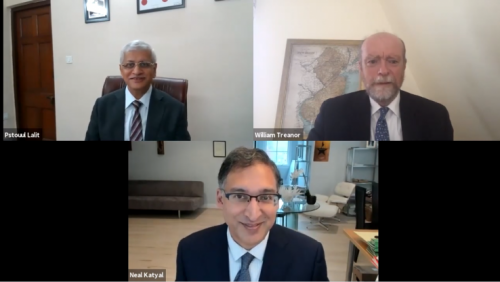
<point x="383" y="111"/>
<point x="249" y="246"/>
<point x="138" y="112"/>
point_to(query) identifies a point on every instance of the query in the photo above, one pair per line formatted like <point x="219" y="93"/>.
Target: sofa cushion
<point x="164" y="203"/>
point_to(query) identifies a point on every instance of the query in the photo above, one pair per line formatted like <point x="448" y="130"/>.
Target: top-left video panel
<point x="130" y="70"/>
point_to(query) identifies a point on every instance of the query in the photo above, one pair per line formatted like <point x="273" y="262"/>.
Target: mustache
<point x="381" y="79"/>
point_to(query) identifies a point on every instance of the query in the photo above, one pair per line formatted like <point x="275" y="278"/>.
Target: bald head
<point x="384" y="38"/>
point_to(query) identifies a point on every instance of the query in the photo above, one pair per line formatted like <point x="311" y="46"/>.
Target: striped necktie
<point x="381" y="130"/>
<point x="136" y="129"/>
<point x="244" y="273"/>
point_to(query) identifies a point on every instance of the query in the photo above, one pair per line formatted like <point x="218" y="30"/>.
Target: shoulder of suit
<point x="420" y="101"/>
<point x="112" y="95"/>
<point x="295" y="236"/>
<point x="204" y="235"/>
<point x="167" y="98"/>
<point x="346" y="98"/>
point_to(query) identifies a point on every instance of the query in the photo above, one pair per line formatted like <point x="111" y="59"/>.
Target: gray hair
<point x="137" y="45"/>
<point x="363" y="42"/>
<point x="242" y="157"/>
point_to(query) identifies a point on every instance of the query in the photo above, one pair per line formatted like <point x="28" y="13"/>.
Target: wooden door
<point x="34" y="71"/>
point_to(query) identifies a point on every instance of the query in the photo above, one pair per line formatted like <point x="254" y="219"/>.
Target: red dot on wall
<point x="164" y="0"/>
<point x="144" y="2"/>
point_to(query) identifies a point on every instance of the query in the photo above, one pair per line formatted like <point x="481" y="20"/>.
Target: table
<point x="290" y="211"/>
<point x="355" y="240"/>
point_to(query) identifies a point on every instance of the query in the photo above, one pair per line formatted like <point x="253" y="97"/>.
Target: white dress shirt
<point x="236" y="252"/>
<point x="393" y="119"/>
<point x="130" y="111"/>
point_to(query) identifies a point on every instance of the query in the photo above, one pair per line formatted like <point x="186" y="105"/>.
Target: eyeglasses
<point x="242" y="198"/>
<point x="142" y="65"/>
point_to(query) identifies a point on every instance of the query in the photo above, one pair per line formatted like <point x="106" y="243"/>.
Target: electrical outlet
<point x="69" y="59"/>
<point x="5" y="116"/>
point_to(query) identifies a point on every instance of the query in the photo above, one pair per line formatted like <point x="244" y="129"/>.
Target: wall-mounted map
<point x="314" y="71"/>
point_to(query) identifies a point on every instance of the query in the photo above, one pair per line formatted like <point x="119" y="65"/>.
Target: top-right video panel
<point x="369" y="70"/>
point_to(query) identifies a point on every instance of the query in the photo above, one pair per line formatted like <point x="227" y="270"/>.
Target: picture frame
<point x="161" y="148"/>
<point x="304" y="88"/>
<point x="96" y="11"/>
<point x="148" y="6"/>
<point x="219" y="148"/>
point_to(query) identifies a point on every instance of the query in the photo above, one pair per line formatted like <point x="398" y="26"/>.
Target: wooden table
<point x="362" y="246"/>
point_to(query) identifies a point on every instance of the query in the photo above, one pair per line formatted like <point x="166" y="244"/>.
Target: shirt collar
<point x="237" y="251"/>
<point x="393" y="106"/>
<point x="144" y="99"/>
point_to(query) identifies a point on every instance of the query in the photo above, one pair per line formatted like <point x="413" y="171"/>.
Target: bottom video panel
<point x="209" y="202"/>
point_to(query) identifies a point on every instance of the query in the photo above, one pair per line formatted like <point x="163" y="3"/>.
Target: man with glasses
<point x="249" y="246"/>
<point x="138" y="112"/>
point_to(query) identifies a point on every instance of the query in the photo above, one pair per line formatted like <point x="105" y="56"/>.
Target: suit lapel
<point x="275" y="256"/>
<point x="361" y="118"/>
<point x="118" y="116"/>
<point x="155" y="116"/>
<point x="409" y="120"/>
<point x="220" y="254"/>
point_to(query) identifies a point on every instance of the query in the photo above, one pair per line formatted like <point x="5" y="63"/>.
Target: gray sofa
<point x="165" y="195"/>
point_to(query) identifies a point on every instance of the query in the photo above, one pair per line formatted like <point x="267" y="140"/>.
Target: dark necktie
<point x="381" y="130"/>
<point x="244" y="273"/>
<point x="136" y="129"/>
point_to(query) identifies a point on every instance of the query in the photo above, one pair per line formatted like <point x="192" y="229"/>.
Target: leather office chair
<point x="176" y="87"/>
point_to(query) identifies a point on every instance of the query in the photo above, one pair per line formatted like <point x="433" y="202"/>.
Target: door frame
<point x="14" y="10"/>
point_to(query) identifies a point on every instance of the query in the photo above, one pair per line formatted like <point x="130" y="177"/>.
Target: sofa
<point x="165" y="195"/>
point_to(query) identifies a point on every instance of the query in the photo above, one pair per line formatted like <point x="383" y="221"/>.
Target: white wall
<point x="275" y="21"/>
<point x="326" y="175"/>
<point x="454" y="54"/>
<point x="182" y="161"/>
<point x="208" y="42"/>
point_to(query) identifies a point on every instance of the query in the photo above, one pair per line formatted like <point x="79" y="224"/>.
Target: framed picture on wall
<point x="96" y="11"/>
<point x="148" y="6"/>
<point x="219" y="149"/>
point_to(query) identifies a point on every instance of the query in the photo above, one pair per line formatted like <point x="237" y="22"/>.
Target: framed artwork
<point x="321" y="151"/>
<point x="148" y="6"/>
<point x="313" y="71"/>
<point x="161" y="148"/>
<point x="96" y="11"/>
<point x="219" y="149"/>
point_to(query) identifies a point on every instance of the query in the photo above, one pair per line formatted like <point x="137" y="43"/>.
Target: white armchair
<point x="324" y="211"/>
<point x="342" y="192"/>
<point x="328" y="208"/>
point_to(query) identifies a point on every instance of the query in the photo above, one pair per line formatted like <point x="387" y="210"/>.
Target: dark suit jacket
<point x="289" y="256"/>
<point x="167" y="118"/>
<point x="348" y="117"/>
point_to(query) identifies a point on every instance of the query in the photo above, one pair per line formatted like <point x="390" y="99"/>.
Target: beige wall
<point x="454" y="54"/>
<point x="208" y="42"/>
<point x="275" y="21"/>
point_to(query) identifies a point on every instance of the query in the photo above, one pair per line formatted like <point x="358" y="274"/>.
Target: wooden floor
<point x="153" y="239"/>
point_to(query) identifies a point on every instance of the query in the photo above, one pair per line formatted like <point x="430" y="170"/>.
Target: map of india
<point x="317" y="73"/>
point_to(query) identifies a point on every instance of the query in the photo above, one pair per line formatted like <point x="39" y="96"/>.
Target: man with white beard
<point x="382" y="112"/>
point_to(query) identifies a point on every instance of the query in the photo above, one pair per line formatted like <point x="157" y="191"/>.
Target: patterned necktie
<point x="381" y="130"/>
<point x="136" y="129"/>
<point x="244" y="273"/>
